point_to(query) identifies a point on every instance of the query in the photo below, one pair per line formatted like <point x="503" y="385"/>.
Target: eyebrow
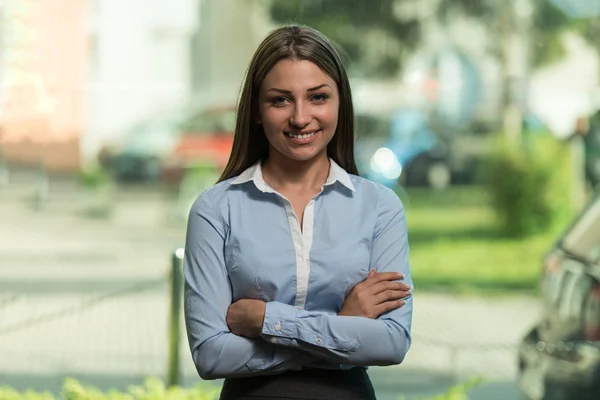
<point x="312" y="89"/>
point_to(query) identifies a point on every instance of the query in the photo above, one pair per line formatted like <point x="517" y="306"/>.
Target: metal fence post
<point x="4" y="173"/>
<point x="173" y="366"/>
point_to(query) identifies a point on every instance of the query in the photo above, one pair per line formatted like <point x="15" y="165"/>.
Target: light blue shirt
<point x="244" y="242"/>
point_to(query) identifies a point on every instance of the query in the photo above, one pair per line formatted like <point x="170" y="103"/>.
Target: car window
<point x="204" y="122"/>
<point x="583" y="239"/>
<point x="372" y="126"/>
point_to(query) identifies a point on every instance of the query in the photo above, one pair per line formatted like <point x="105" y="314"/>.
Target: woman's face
<point x="298" y="108"/>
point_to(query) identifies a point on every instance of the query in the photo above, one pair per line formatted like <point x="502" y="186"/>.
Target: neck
<point x="279" y="171"/>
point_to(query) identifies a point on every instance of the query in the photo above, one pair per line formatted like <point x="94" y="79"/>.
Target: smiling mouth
<point x="301" y="135"/>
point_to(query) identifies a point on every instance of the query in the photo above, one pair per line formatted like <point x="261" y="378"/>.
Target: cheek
<point x="328" y="117"/>
<point x="273" y="120"/>
<point x="275" y="116"/>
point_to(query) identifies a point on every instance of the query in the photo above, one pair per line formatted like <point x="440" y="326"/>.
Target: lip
<point x="302" y="141"/>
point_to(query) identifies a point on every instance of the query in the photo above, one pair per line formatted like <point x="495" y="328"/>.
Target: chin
<point x="303" y="155"/>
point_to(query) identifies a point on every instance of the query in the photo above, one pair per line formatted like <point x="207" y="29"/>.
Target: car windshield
<point x="583" y="239"/>
<point x="212" y="121"/>
<point x="151" y="135"/>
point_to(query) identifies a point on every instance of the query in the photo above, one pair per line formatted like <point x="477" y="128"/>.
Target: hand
<point x="245" y="317"/>
<point x="375" y="295"/>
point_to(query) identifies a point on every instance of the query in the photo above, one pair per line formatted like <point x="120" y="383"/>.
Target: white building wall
<point x="230" y="31"/>
<point x="139" y="63"/>
<point x="149" y="56"/>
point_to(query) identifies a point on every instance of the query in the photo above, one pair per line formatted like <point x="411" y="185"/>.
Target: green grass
<point x="456" y="247"/>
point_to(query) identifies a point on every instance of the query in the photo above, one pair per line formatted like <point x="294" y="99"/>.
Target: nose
<point x="301" y="115"/>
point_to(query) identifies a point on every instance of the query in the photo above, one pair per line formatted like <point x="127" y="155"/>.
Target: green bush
<point x="154" y="389"/>
<point x="456" y="392"/>
<point x="196" y="179"/>
<point x="529" y="184"/>
<point x="93" y="176"/>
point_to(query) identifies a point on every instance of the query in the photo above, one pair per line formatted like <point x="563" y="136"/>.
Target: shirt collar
<point x="254" y="174"/>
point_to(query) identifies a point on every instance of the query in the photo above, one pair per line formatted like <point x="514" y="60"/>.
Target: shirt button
<point x="277" y="326"/>
<point x="319" y="340"/>
<point x="273" y="340"/>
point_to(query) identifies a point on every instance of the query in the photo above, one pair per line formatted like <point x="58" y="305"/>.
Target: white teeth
<point x="306" y="136"/>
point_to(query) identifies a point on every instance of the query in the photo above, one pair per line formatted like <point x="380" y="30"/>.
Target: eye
<point x="279" y="101"/>
<point x="319" y="97"/>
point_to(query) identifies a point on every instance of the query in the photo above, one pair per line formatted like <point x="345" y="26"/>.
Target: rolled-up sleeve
<point x="217" y="353"/>
<point x="355" y="340"/>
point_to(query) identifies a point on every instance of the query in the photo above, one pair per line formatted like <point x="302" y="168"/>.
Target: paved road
<point x="88" y="298"/>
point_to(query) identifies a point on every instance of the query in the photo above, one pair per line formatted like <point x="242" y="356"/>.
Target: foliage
<point x="367" y="26"/>
<point x="548" y="23"/>
<point x="196" y="179"/>
<point x="456" y="392"/>
<point x="529" y="185"/>
<point x="589" y="28"/>
<point x="455" y="244"/>
<point x="154" y="389"/>
<point x="94" y="175"/>
<point x="362" y="27"/>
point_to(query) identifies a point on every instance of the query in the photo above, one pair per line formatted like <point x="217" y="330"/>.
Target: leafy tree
<point x="545" y="24"/>
<point x="589" y="28"/>
<point x="395" y="35"/>
<point x="350" y="22"/>
<point x="537" y="25"/>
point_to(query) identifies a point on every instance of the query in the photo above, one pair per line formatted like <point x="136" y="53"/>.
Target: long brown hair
<point x="295" y="42"/>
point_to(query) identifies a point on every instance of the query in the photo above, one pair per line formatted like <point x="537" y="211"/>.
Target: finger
<point x="388" y="306"/>
<point x="390" y="295"/>
<point x="367" y="282"/>
<point x="387" y="285"/>
<point x="381" y="277"/>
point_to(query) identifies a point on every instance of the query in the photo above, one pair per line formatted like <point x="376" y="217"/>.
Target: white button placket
<point x="302" y="239"/>
<point x="307" y="236"/>
<point x="302" y="268"/>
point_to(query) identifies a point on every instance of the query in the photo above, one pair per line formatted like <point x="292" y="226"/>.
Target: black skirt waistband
<point x="308" y="384"/>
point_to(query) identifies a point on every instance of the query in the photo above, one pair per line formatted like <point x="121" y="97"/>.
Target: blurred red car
<point x="164" y="148"/>
<point x="196" y="148"/>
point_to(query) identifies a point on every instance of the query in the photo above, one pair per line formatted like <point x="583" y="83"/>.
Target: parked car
<point x="409" y="148"/>
<point x="559" y="358"/>
<point x="405" y="149"/>
<point x="162" y="148"/>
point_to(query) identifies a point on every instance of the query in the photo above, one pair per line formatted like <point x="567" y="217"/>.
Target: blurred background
<point x="483" y="115"/>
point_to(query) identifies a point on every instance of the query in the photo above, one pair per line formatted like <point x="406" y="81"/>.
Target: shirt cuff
<point x="282" y="326"/>
<point x="279" y="322"/>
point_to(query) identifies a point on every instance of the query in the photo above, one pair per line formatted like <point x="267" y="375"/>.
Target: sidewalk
<point x="57" y="317"/>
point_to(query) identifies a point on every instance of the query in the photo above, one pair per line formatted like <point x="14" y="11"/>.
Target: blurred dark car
<point x="163" y="148"/>
<point x="559" y="359"/>
<point x="410" y="149"/>
<point x="405" y="149"/>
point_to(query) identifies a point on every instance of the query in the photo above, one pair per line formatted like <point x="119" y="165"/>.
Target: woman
<point x="297" y="274"/>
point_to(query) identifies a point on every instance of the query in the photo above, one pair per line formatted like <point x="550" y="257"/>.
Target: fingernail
<point x="400" y="275"/>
